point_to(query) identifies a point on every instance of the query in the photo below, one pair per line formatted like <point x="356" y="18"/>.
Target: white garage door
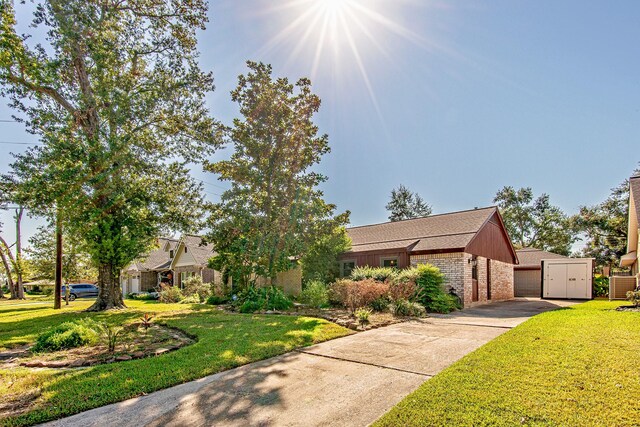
<point x="570" y="278"/>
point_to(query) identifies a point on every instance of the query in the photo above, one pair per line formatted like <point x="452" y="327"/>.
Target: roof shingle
<point x="437" y="232"/>
<point x="532" y="257"/>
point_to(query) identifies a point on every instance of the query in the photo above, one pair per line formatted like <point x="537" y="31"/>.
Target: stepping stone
<point x="123" y="358"/>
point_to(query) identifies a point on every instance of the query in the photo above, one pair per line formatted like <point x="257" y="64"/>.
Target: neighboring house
<point x="146" y="273"/>
<point x="171" y="263"/>
<point x="472" y="248"/>
<point x="527" y="275"/>
<point x="192" y="258"/>
<point x="633" y="241"/>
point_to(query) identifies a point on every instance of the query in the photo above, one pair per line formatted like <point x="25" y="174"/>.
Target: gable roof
<point x="532" y="257"/>
<point x="157" y="259"/>
<point x="436" y="233"/>
<point x="195" y="246"/>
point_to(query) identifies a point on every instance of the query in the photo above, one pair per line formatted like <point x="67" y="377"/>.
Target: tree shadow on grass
<point x="243" y="339"/>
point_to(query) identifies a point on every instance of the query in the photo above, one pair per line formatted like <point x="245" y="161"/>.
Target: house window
<point x="171" y="254"/>
<point x="346" y="267"/>
<point x="389" y="262"/>
<point x="474" y="267"/>
<point x="185" y="249"/>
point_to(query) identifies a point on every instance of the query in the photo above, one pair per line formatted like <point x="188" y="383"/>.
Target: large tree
<point x="274" y="211"/>
<point x="605" y="226"/>
<point x="405" y="204"/>
<point x="535" y="222"/>
<point x="117" y="97"/>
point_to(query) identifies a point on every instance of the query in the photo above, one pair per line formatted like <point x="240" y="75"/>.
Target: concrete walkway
<point x="347" y="381"/>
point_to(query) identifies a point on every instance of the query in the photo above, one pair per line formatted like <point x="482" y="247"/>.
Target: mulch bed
<point x="628" y="308"/>
<point x="138" y="344"/>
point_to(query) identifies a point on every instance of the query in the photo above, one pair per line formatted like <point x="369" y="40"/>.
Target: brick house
<point x="471" y="248"/>
<point x="146" y="273"/>
<point x="172" y="262"/>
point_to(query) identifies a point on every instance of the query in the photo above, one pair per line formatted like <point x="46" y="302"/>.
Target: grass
<point x="224" y="341"/>
<point x="574" y="366"/>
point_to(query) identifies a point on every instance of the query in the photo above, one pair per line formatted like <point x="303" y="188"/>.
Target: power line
<point x="9" y="121"/>
<point x="20" y="143"/>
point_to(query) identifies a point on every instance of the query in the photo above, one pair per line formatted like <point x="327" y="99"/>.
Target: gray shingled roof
<point x="437" y="232"/>
<point x="531" y="257"/>
<point x="156" y="258"/>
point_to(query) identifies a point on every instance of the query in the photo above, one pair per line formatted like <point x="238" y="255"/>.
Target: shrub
<point x="379" y="274"/>
<point x="380" y="304"/>
<point x="217" y="300"/>
<point x="634" y="297"/>
<point x="601" y="286"/>
<point x="194" y="286"/>
<point x="111" y="334"/>
<point x="47" y="291"/>
<point x="432" y="295"/>
<point x="266" y="298"/>
<point x="315" y="294"/>
<point x="403" y="307"/>
<point x="362" y="314"/>
<point x="191" y="299"/>
<point x="354" y="295"/>
<point x="67" y="335"/>
<point x="337" y="291"/>
<point x="170" y="294"/>
<point x="403" y="290"/>
<point x="145" y="296"/>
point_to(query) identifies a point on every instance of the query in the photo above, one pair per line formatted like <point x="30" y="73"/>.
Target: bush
<point x="315" y="294"/>
<point x="432" y="295"/>
<point x="145" y="296"/>
<point x="354" y="295"/>
<point x="403" y="290"/>
<point x="47" y="291"/>
<point x="191" y="299"/>
<point x="380" y="304"/>
<point x="67" y="335"/>
<point x="601" y="286"/>
<point x="403" y="307"/>
<point x="379" y="274"/>
<point x="266" y="298"/>
<point x="634" y="297"/>
<point x="217" y="300"/>
<point x="170" y="294"/>
<point x="362" y="314"/>
<point x="336" y="291"/>
<point x="194" y="286"/>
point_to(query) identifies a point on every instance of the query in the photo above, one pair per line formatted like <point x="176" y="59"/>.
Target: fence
<point x="620" y="285"/>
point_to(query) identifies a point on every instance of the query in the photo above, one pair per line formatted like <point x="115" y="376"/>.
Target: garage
<point x="527" y="274"/>
<point x="568" y="278"/>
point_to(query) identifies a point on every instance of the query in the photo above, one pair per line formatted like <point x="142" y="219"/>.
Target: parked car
<point x="80" y="290"/>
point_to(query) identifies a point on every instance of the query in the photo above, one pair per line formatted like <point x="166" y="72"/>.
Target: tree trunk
<point x="19" y="265"/>
<point x="6" y="252"/>
<point x="109" y="292"/>
<point x="7" y="269"/>
<point x="58" y="286"/>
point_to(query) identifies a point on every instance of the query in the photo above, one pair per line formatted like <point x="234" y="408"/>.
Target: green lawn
<point x="571" y="367"/>
<point x="224" y="341"/>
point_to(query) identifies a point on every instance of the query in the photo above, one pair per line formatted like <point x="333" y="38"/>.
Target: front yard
<point x="223" y="341"/>
<point x="576" y="366"/>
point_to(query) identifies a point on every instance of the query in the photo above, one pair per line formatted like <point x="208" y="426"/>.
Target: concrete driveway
<point x="348" y="381"/>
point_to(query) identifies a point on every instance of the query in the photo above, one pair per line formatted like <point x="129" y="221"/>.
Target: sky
<point x="453" y="99"/>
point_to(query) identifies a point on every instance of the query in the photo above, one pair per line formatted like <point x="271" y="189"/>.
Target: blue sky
<point x="453" y="99"/>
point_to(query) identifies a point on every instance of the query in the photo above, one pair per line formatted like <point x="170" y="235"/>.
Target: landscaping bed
<point x="156" y="340"/>
<point x="221" y="341"/>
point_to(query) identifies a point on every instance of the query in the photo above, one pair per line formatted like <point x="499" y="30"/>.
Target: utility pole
<point x="58" y="286"/>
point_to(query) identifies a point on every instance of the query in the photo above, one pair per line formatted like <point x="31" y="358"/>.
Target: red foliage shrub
<point x="354" y="295"/>
<point x="403" y="290"/>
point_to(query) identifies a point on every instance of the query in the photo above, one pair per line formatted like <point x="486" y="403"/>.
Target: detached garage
<point x="570" y="278"/>
<point x="527" y="275"/>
